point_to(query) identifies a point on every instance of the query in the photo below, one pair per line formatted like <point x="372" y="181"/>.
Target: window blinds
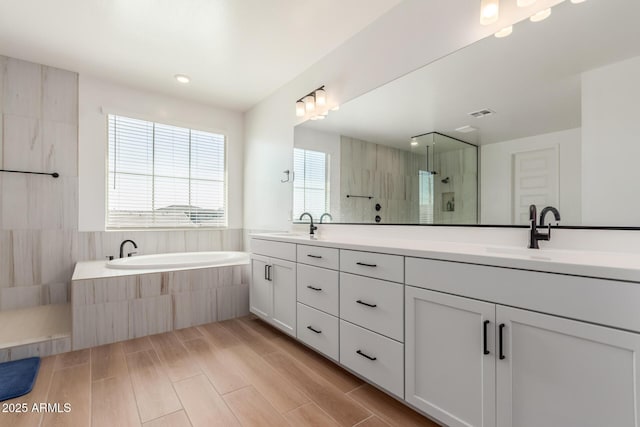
<point x="164" y="176"/>
<point x="310" y="187"/>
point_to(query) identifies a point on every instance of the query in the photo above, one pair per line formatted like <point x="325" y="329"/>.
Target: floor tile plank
<point x="73" y="358"/>
<point x="252" y="409"/>
<point x="309" y="415"/>
<point x="73" y="386"/>
<point x="137" y="344"/>
<point x="113" y="403"/>
<point x="175" y="358"/>
<point x="372" y="421"/>
<point x="203" y="404"/>
<point x="108" y="361"/>
<point x="177" y="419"/>
<point x="249" y="337"/>
<point x="187" y="334"/>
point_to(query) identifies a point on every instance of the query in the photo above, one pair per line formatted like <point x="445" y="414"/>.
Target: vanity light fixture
<point x="525" y="3"/>
<point x="309" y="102"/>
<point x="182" y="78"/>
<point x="540" y="16"/>
<point x="506" y="31"/>
<point x="489" y="11"/>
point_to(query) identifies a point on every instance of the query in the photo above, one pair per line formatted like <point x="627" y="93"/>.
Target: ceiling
<point x="531" y="79"/>
<point x="236" y="52"/>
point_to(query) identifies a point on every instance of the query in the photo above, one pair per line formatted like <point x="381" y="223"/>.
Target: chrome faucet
<point x="122" y="248"/>
<point x="312" y="227"/>
<point x="534" y="234"/>
<point x="325" y="214"/>
<point x="545" y="211"/>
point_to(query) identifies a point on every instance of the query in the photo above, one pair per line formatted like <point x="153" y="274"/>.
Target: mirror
<point x="549" y="114"/>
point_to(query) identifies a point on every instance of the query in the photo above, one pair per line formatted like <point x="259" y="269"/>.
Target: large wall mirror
<point x="549" y="115"/>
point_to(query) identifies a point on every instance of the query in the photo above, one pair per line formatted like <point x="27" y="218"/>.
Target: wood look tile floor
<point x="239" y="372"/>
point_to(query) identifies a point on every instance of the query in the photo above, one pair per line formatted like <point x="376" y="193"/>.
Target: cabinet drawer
<point x="379" y="266"/>
<point x="377" y="358"/>
<point x="318" y="256"/>
<point x="318" y="288"/>
<point x="319" y="330"/>
<point x="373" y="304"/>
<point x="273" y="249"/>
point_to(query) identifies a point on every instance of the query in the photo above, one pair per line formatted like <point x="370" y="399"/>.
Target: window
<point x="426" y="203"/>
<point x="164" y="176"/>
<point x="310" y="187"/>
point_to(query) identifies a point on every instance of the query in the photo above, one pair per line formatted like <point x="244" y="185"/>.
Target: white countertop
<point x="605" y="265"/>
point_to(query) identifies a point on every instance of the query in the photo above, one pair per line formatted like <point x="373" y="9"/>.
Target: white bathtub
<point x="180" y="260"/>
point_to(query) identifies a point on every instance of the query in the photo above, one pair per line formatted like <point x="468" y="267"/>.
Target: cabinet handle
<point x="364" y="264"/>
<point x="314" y="256"/>
<point x="484" y="337"/>
<point x="500" y="350"/>
<point x="314" y="330"/>
<point x="367" y="304"/>
<point x="366" y="355"/>
<point x="269" y="273"/>
<point x="314" y="289"/>
<point x="266" y="272"/>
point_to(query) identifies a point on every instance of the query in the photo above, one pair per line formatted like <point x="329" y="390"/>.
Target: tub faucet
<point x="122" y="248"/>
<point x="325" y="214"/>
<point x="545" y="211"/>
<point x="534" y="234"/>
<point x="312" y="227"/>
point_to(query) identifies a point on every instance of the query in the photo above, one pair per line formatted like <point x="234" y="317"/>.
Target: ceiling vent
<point x="482" y="113"/>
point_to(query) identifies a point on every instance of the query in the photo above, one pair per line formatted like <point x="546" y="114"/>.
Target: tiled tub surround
<point x="111" y="305"/>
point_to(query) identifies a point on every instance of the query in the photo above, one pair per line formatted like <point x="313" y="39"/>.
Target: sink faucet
<point x="545" y="211"/>
<point x="312" y="227"/>
<point x="122" y="248"/>
<point x="534" y="234"/>
<point x="325" y="214"/>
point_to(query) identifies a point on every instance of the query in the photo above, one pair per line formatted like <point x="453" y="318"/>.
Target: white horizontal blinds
<point x="426" y="202"/>
<point x="310" y="185"/>
<point x="164" y="176"/>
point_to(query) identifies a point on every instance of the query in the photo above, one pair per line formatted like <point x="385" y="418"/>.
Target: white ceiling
<point x="531" y="79"/>
<point x="236" y="52"/>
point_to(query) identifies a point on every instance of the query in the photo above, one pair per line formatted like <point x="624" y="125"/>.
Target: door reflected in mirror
<point x="546" y="116"/>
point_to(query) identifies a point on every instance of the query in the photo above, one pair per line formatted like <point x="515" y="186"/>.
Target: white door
<point x="261" y="294"/>
<point x="560" y="372"/>
<point x="535" y="182"/>
<point x="450" y="370"/>
<point x="283" y="276"/>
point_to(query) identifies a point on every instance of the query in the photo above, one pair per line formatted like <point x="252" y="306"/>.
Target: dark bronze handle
<point x="367" y="304"/>
<point x="269" y="273"/>
<point x="364" y="264"/>
<point x="366" y="355"/>
<point x="266" y="272"/>
<point x="314" y="289"/>
<point x="501" y="353"/>
<point x="314" y="330"/>
<point x="314" y="256"/>
<point x="484" y="339"/>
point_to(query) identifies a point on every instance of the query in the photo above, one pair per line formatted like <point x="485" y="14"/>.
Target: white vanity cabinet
<point x="272" y="294"/>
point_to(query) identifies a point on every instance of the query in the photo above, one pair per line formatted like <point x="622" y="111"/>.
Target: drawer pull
<point x="314" y="289"/>
<point x="314" y="330"/>
<point x="367" y="304"/>
<point x="366" y="355"/>
<point x="314" y="256"/>
<point x="364" y="264"/>
<point x="484" y="337"/>
<point x="500" y="351"/>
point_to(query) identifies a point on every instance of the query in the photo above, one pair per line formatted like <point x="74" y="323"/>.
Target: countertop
<point x="605" y="265"/>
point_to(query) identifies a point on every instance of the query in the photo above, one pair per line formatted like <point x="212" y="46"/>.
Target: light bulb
<point x="321" y="97"/>
<point x="300" y="109"/>
<point x="525" y="3"/>
<point x="309" y="103"/>
<point x="577" y="1"/>
<point x="489" y="11"/>
<point x="414" y="142"/>
<point x="504" y="32"/>
<point x="181" y="78"/>
<point x="541" y="16"/>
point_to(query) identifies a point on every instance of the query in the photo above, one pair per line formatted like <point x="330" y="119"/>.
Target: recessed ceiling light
<point x="577" y="1"/>
<point x="466" y="129"/>
<point x="504" y="32"/>
<point x="541" y="16"/>
<point x="182" y="78"/>
<point x="414" y="142"/>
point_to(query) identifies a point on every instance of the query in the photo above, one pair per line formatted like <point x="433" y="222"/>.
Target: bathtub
<point x="179" y="260"/>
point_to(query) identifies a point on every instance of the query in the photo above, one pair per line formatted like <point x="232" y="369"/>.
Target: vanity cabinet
<point x="272" y="294"/>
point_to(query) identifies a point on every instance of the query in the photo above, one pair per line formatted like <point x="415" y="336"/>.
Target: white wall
<point x="409" y="36"/>
<point x="310" y="139"/>
<point x="98" y="98"/>
<point x="610" y="148"/>
<point x="496" y="180"/>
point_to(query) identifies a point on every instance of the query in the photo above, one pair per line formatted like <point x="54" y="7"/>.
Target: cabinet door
<point x="450" y="372"/>
<point x="261" y="293"/>
<point x="560" y="372"/>
<point x="283" y="276"/>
